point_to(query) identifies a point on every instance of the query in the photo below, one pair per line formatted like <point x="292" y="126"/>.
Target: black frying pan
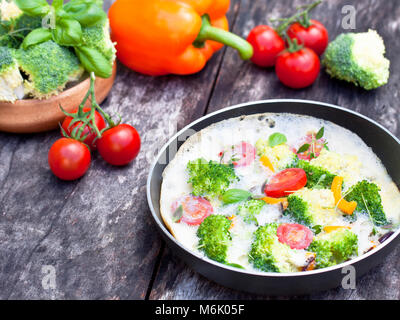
<point x="382" y="142"/>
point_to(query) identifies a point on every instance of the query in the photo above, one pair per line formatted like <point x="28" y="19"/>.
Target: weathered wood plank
<point x="96" y="232"/>
<point x="240" y="82"/>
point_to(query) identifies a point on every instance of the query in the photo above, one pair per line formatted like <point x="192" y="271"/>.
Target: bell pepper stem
<point x="208" y="32"/>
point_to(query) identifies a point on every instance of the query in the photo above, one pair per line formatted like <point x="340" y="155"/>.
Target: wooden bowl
<point x="31" y="115"/>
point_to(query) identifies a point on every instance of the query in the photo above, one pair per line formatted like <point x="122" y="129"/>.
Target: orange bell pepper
<point x="158" y="37"/>
<point x="342" y="204"/>
<point x="270" y="200"/>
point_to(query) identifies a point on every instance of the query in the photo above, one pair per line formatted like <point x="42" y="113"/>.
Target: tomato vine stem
<point x="301" y="17"/>
<point x="87" y="119"/>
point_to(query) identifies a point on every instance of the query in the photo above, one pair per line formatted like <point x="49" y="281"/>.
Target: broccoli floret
<point x="15" y="25"/>
<point x="323" y="253"/>
<point x="268" y="253"/>
<point x="334" y="247"/>
<point x="49" y="68"/>
<point x="369" y="201"/>
<point x="26" y="24"/>
<point x="98" y="37"/>
<point x="298" y="209"/>
<point x="358" y="58"/>
<point x="317" y="177"/>
<point x="11" y="81"/>
<point x="210" y="178"/>
<point x="214" y="237"/>
<point x="250" y="209"/>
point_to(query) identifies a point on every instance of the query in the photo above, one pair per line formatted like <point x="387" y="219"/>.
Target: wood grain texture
<point x="240" y="82"/>
<point x="96" y="232"/>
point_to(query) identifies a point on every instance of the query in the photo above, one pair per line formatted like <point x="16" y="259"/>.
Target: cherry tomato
<point x="314" y="37"/>
<point x="297" y="69"/>
<point x="99" y="121"/>
<point x="315" y="147"/>
<point x="195" y="209"/>
<point x="267" y="44"/>
<point x="285" y="183"/>
<point x="296" y="236"/>
<point x="240" y="155"/>
<point x="119" y="145"/>
<point x="69" y="159"/>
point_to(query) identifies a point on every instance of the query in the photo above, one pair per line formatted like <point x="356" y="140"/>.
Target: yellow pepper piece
<point x="329" y="229"/>
<point x="342" y="204"/>
<point x="270" y="200"/>
<point x="267" y="163"/>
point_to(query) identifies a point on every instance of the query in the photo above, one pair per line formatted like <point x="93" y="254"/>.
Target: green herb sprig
<point x="67" y="21"/>
<point x="305" y="147"/>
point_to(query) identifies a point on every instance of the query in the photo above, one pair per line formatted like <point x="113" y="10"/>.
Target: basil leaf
<point x="303" y="148"/>
<point x="317" y="229"/>
<point x="276" y="139"/>
<point x="35" y="37"/>
<point x="68" y="32"/>
<point x="235" y="195"/>
<point x="57" y="4"/>
<point x="320" y="134"/>
<point x="33" y="7"/>
<point x="88" y="14"/>
<point x="177" y="215"/>
<point x="93" y="61"/>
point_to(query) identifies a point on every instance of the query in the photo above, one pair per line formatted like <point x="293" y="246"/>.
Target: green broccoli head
<point x="210" y="178"/>
<point x="214" y="237"/>
<point x="358" y="58"/>
<point x="48" y="76"/>
<point x="334" y="247"/>
<point x="323" y="253"/>
<point x="98" y="37"/>
<point x="369" y="201"/>
<point x="317" y="177"/>
<point x="26" y="24"/>
<point x="298" y="210"/>
<point x="249" y="209"/>
<point x="11" y="81"/>
<point x="268" y="253"/>
<point x="14" y="24"/>
<point x="261" y="255"/>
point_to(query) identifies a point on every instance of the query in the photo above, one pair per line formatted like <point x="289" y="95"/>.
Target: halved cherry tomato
<point x="296" y="236"/>
<point x="267" y="45"/>
<point x="69" y="159"/>
<point x="298" y="69"/>
<point x="285" y="183"/>
<point x="195" y="209"/>
<point x="99" y="121"/>
<point x="240" y="155"/>
<point x="314" y="37"/>
<point x="315" y="148"/>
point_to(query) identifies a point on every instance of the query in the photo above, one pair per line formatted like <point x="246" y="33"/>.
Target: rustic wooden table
<point x="97" y="232"/>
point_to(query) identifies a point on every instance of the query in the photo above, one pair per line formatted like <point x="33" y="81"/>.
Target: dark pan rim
<point x="249" y="272"/>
